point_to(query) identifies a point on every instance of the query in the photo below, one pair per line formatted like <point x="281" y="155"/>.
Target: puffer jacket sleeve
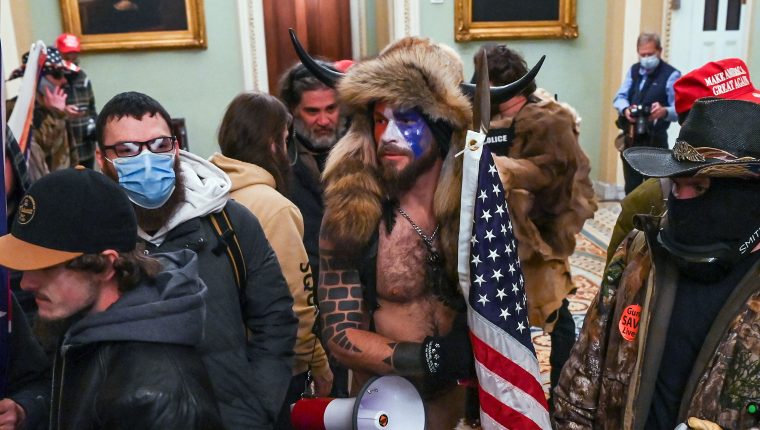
<point x="268" y="315"/>
<point x="576" y="397"/>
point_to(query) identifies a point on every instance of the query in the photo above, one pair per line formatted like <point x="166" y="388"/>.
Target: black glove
<point x="448" y="358"/>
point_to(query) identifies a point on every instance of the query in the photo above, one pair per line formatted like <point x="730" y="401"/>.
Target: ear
<point x="109" y="273"/>
<point x="99" y="157"/>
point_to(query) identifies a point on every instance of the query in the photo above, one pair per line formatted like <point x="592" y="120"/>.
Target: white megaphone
<point x="385" y="403"/>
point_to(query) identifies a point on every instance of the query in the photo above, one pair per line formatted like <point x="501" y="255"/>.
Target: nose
<point x="323" y="119"/>
<point x="29" y="281"/>
<point x="391" y="134"/>
<point x="689" y="188"/>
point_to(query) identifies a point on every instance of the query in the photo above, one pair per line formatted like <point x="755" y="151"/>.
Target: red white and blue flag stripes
<point x="510" y="390"/>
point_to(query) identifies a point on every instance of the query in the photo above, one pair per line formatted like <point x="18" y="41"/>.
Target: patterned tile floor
<point x="587" y="265"/>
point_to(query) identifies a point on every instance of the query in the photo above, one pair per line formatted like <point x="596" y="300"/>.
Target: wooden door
<point x="323" y="27"/>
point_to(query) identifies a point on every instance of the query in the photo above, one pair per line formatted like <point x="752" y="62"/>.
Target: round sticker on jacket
<point x="629" y="322"/>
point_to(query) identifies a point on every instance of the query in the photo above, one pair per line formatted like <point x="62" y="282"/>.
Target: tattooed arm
<point x="345" y="322"/>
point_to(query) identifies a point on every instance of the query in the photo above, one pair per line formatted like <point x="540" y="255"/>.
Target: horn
<point x="506" y="92"/>
<point x="327" y="76"/>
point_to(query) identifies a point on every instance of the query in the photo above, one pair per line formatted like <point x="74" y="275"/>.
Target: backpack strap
<point x="228" y="242"/>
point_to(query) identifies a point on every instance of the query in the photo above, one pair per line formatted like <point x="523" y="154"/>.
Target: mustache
<point x="391" y="149"/>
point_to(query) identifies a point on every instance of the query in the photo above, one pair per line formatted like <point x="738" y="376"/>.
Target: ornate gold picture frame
<point x="109" y="25"/>
<point x="514" y="19"/>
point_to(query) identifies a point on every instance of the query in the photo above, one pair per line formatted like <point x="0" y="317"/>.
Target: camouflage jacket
<point x="608" y="382"/>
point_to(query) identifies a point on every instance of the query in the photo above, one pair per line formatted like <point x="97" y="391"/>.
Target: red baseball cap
<point x="67" y="43"/>
<point x="727" y="79"/>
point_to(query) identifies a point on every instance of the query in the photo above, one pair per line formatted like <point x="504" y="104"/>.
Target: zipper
<point x="60" y="387"/>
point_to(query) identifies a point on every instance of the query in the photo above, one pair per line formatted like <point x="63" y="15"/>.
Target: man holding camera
<point x="646" y="102"/>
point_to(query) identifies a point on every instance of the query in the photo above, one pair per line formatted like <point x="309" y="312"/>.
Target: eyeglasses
<point x="158" y="145"/>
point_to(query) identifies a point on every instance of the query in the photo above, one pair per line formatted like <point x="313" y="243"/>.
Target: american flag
<point x="510" y="391"/>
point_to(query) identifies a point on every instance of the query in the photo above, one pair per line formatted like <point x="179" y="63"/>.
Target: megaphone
<point x="385" y="403"/>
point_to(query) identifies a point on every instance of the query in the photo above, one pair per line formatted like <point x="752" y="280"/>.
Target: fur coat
<point x="550" y="196"/>
<point x="412" y="72"/>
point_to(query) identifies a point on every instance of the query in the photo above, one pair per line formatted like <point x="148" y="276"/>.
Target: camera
<point x="640" y="113"/>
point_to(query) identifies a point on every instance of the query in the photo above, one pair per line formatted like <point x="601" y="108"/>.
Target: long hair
<point x="252" y="122"/>
<point x="131" y="267"/>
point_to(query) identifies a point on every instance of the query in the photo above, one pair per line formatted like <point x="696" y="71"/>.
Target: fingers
<point x="12" y="415"/>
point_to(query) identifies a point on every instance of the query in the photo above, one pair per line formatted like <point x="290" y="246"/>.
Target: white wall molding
<point x="253" y="45"/>
<point x="405" y="18"/>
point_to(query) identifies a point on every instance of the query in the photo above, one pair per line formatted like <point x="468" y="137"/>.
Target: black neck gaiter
<point x="718" y="228"/>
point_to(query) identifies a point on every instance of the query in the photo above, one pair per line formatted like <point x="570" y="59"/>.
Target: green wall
<point x="194" y="84"/>
<point x="574" y="69"/>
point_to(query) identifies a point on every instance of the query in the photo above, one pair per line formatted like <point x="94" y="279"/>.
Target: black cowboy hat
<point x="720" y="138"/>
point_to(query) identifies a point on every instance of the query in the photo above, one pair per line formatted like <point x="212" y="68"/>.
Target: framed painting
<point x="514" y="19"/>
<point x="108" y="25"/>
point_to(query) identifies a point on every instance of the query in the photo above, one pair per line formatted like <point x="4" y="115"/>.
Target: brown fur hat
<point x="412" y="72"/>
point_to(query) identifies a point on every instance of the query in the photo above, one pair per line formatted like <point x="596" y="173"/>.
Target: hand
<point x="627" y="113"/>
<point x="449" y="357"/>
<point x="72" y="111"/>
<point x="323" y="384"/>
<point x="657" y="112"/>
<point x="55" y="99"/>
<point x="12" y="415"/>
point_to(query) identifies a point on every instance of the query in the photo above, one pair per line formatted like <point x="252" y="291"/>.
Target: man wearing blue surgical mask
<point x="645" y="103"/>
<point x="182" y="202"/>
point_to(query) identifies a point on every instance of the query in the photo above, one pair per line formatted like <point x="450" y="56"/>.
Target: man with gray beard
<point x="317" y="126"/>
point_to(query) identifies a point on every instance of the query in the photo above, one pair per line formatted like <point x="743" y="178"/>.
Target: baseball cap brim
<point x="17" y="254"/>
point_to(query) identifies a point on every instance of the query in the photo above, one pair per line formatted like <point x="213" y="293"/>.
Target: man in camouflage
<point x="673" y="337"/>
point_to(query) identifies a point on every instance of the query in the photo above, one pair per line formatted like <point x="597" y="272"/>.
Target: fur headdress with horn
<point x="412" y="72"/>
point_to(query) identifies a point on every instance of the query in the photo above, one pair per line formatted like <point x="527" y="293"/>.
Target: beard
<point x="322" y="141"/>
<point x="399" y="181"/>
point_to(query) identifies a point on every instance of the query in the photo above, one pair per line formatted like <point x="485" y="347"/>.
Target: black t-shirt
<point x="694" y="310"/>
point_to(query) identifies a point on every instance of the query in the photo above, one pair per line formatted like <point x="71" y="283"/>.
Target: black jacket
<point x="250" y="376"/>
<point x="28" y="372"/>
<point x="306" y="194"/>
<point x="134" y="365"/>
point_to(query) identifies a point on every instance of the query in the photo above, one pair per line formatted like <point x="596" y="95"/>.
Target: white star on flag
<point x="483" y="195"/>
<point x="492" y="170"/>
<point x="489" y="235"/>
<point x="483" y="299"/>
<point x="476" y="260"/>
<point x="500" y="294"/>
<point x="479" y="280"/>
<point x="492" y="254"/>
<point x="486" y="215"/>
<point x="496" y="191"/>
<point x="500" y="210"/>
<point x="511" y="269"/>
<point x="505" y="313"/>
<point x="497" y="274"/>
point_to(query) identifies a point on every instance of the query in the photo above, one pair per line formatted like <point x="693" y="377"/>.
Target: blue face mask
<point x="650" y="62"/>
<point x="147" y="178"/>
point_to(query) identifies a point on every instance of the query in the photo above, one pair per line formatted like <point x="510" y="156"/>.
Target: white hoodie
<point x="207" y="190"/>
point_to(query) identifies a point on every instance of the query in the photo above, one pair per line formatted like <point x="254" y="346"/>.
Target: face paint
<point x="407" y="130"/>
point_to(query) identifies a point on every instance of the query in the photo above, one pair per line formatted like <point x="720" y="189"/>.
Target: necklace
<point x="433" y="256"/>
